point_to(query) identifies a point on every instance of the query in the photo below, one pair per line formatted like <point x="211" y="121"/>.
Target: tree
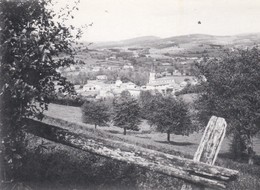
<point x="145" y="99"/>
<point x="126" y="112"/>
<point x="231" y="90"/>
<point x="31" y="42"/>
<point x="148" y="102"/>
<point x="95" y="113"/>
<point x="171" y="116"/>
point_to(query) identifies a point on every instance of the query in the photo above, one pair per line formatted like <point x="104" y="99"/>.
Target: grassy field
<point x="146" y="135"/>
<point x="60" y="167"/>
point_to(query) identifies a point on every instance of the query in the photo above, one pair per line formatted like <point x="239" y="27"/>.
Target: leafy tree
<point x="145" y="99"/>
<point x="126" y="112"/>
<point x="171" y="116"/>
<point x="95" y="113"/>
<point x="31" y="42"/>
<point x="148" y="103"/>
<point x="232" y="90"/>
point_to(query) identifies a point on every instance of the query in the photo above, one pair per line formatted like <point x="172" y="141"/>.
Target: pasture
<point x="146" y="135"/>
<point x="63" y="167"/>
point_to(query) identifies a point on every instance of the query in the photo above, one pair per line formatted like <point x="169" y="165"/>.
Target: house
<point x="166" y="64"/>
<point x="91" y="88"/>
<point x="101" y="77"/>
<point x="128" y="67"/>
<point x="100" y="90"/>
<point x="96" y="68"/>
<point x="113" y="68"/>
<point x="176" y="73"/>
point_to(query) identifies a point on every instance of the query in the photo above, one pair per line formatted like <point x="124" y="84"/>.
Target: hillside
<point x="153" y="41"/>
<point x="139" y="41"/>
<point x="193" y="45"/>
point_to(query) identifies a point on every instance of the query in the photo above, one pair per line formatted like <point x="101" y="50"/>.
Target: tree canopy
<point x="34" y="43"/>
<point x="231" y="90"/>
<point x="126" y="112"/>
<point x="96" y="113"/>
<point x="171" y="116"/>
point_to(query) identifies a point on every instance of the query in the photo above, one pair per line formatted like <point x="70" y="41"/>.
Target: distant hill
<point x="193" y="45"/>
<point x="199" y="39"/>
<point x="144" y="40"/>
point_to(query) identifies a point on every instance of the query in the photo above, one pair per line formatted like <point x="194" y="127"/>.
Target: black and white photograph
<point x="129" y="95"/>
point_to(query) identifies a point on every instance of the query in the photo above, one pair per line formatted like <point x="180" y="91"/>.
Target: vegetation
<point x="126" y="112"/>
<point x="139" y="77"/>
<point x="69" y="100"/>
<point x="96" y="113"/>
<point x="58" y="165"/>
<point x="231" y="90"/>
<point x="189" y="89"/>
<point x="168" y="114"/>
<point x="148" y="103"/>
<point x="31" y="36"/>
<point x="171" y="116"/>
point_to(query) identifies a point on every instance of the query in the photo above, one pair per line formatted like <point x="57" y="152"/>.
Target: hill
<point x="140" y="41"/>
<point x="242" y="39"/>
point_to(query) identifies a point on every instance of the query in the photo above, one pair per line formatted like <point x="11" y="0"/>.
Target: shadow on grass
<point x="240" y="159"/>
<point x="143" y="137"/>
<point x="176" y="143"/>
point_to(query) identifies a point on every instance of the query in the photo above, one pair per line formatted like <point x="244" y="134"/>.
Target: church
<point x="165" y="85"/>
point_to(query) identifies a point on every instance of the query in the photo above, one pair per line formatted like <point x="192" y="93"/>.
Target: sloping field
<point x="99" y="172"/>
<point x="156" y="161"/>
<point x="146" y="135"/>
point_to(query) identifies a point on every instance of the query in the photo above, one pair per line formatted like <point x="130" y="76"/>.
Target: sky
<point x="115" y="20"/>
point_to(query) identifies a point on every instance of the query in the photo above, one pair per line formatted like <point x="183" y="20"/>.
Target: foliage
<point x="32" y="38"/>
<point x="58" y="165"/>
<point x="96" y="113"/>
<point x="189" y="89"/>
<point x="232" y="91"/>
<point x="126" y="112"/>
<point x="139" y="76"/>
<point x="172" y="116"/>
<point x="148" y="103"/>
<point x="68" y="100"/>
<point x="144" y="101"/>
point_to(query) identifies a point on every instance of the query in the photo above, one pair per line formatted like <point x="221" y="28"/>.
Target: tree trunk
<point x="238" y="145"/>
<point x="249" y="148"/>
<point x="124" y="130"/>
<point x="168" y="136"/>
<point x="95" y="126"/>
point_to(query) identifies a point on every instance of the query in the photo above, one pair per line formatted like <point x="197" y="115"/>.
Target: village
<point x="166" y="85"/>
<point x="106" y="73"/>
<point x="129" y="95"/>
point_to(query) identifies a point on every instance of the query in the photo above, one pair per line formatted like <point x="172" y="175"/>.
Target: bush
<point x="189" y="89"/>
<point x="69" y="100"/>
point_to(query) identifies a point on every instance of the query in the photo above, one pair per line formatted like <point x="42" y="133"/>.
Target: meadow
<point x="146" y="134"/>
<point x="62" y="167"/>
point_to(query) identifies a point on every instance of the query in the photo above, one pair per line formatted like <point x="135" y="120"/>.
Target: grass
<point x="62" y="167"/>
<point x="144" y="136"/>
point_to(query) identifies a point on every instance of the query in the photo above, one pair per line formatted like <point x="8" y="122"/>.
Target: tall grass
<point x="59" y="167"/>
